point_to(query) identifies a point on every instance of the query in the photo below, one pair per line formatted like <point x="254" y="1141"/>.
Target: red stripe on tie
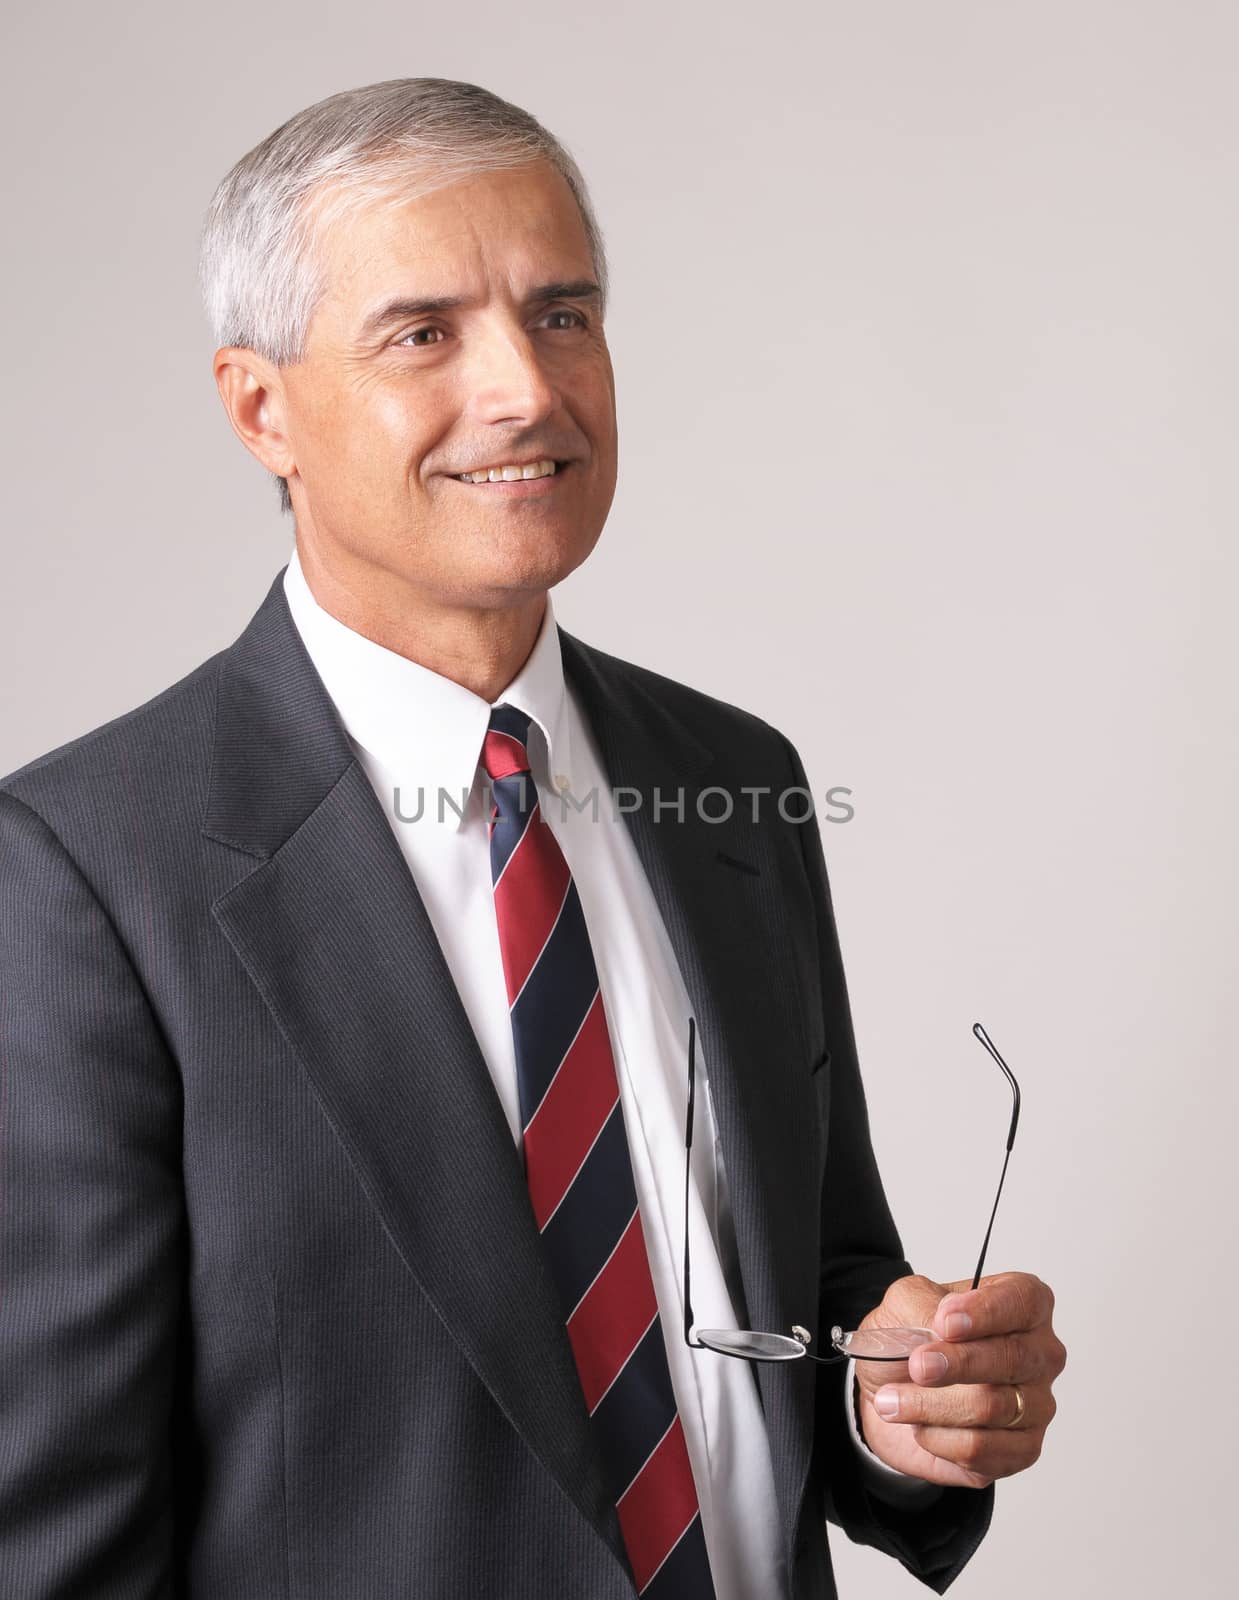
<point x="503" y="754"/>
<point x="581" y="1097"/>
<point x="658" y="1505"/>
<point x="528" y="898"/>
<point x="613" y="1314"/>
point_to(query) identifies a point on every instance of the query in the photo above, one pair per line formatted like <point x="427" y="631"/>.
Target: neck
<point x="481" y="647"/>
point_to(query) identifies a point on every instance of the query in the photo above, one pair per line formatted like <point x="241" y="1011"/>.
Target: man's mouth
<point x="512" y="472"/>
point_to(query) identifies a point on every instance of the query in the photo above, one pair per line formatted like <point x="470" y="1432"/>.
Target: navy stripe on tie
<point x="548" y="1011"/>
<point x="509" y="826"/>
<point x="638" y="1407"/>
<point x="685" y="1574"/>
<point x="507" y="719"/>
<point x="593" y="1214"/>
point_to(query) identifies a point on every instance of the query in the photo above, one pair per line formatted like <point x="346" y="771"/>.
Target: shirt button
<point x="562" y="781"/>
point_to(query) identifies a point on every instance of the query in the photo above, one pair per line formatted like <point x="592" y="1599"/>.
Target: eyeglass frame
<point x="800" y="1336"/>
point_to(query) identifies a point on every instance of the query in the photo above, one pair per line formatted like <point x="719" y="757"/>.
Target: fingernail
<point x="933" y="1365"/>
<point x="886" y="1403"/>
<point x="958" y="1325"/>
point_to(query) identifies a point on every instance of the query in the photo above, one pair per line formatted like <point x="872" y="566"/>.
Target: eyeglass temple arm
<point x="985" y="1039"/>
<point x="688" y="1156"/>
<point x="696" y="1344"/>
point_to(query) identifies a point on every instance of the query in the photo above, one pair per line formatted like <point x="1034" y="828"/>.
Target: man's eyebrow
<point x="404" y="308"/>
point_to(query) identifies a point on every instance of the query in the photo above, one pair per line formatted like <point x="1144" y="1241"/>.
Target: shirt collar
<point x="424" y="728"/>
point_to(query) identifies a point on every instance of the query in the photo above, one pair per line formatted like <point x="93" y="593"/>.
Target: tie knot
<point x="504" y="751"/>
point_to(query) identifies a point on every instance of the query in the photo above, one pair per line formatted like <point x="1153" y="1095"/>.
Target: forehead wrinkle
<point x="364" y="268"/>
<point x="404" y="234"/>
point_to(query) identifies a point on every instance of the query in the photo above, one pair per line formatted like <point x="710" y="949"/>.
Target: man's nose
<point x="509" y="382"/>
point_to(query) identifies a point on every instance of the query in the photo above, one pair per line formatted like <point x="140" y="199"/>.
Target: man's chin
<point x="508" y="589"/>
<point x="522" y="570"/>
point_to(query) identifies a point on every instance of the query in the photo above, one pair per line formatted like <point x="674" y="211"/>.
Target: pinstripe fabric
<point x="580" y="1180"/>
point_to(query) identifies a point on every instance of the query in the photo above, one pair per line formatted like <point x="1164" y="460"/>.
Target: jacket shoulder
<point x="716" y="723"/>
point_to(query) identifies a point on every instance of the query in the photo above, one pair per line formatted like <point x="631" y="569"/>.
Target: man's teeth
<point x="535" y="469"/>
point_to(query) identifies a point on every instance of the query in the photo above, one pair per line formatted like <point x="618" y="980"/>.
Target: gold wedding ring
<point x="1019" y="1412"/>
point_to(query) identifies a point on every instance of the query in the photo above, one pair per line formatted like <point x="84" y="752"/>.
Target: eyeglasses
<point x="865" y="1344"/>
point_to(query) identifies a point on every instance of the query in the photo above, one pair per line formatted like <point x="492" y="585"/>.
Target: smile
<point x="509" y="474"/>
<point x="513" y="473"/>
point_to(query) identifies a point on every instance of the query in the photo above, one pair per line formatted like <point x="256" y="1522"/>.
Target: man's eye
<point x="577" y="320"/>
<point x="416" y="334"/>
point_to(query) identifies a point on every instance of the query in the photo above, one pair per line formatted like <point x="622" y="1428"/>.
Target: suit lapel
<point x="332" y="931"/>
<point x="715" y="886"/>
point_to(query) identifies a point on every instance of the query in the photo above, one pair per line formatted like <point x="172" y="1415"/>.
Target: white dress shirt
<point x="418" y="737"/>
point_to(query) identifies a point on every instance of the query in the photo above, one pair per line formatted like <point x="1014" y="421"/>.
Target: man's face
<point x="392" y="402"/>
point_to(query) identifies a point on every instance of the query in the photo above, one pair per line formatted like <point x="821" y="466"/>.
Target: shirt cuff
<point x="883" y="1482"/>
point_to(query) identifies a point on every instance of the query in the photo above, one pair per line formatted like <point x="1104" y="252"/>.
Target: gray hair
<point x="382" y="144"/>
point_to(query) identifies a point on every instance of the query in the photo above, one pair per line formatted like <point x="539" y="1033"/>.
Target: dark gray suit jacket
<point x="274" y="1320"/>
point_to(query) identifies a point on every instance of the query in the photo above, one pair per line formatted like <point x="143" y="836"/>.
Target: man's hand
<point x="948" y="1423"/>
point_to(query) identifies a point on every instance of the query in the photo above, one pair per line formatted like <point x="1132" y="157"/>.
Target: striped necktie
<point x="581" y="1184"/>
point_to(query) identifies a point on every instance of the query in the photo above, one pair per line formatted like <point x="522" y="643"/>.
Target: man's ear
<point x="253" y="394"/>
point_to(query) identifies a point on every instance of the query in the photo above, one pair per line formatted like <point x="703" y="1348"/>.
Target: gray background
<point x="923" y="332"/>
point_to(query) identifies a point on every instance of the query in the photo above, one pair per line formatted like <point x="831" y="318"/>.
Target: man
<point x="346" y="1072"/>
